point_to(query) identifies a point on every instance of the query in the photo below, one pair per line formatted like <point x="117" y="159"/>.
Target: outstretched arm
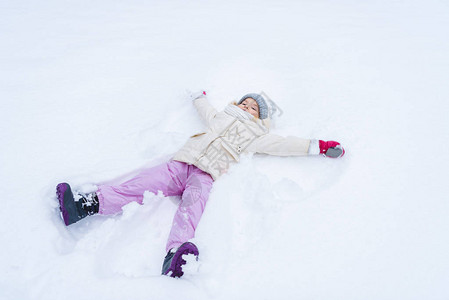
<point x="206" y="111"/>
<point x="273" y="144"/>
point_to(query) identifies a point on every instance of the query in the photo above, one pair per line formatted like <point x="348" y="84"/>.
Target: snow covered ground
<point x="92" y="91"/>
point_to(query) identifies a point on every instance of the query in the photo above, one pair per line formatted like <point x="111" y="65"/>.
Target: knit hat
<point x="263" y="107"/>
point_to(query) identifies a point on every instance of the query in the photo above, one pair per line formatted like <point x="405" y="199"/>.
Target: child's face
<point x="250" y="105"/>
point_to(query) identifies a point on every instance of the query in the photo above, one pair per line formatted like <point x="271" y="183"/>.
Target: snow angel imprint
<point x="242" y="127"/>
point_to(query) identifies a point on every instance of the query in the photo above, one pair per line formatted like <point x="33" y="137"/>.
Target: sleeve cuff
<point x="314" y="147"/>
<point x="198" y="95"/>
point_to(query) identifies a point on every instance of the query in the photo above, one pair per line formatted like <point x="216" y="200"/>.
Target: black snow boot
<point x="75" y="207"/>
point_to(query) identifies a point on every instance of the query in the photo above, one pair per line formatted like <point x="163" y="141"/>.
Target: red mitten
<point x="331" y="149"/>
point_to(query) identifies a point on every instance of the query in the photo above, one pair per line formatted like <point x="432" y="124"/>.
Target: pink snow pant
<point x="173" y="178"/>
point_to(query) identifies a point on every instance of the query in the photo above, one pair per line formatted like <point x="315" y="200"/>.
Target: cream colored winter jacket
<point x="227" y="137"/>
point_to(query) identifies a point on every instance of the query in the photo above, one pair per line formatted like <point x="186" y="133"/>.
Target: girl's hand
<point x="331" y="149"/>
<point x="196" y="95"/>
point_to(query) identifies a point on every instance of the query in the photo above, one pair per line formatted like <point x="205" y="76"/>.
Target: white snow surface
<point x="93" y="91"/>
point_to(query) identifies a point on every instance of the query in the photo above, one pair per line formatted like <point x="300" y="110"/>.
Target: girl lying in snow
<point x="241" y="128"/>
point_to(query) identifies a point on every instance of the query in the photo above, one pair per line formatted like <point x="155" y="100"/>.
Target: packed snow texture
<point x="93" y="91"/>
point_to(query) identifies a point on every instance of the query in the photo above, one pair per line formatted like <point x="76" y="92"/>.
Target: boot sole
<point x="177" y="260"/>
<point x="66" y="203"/>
